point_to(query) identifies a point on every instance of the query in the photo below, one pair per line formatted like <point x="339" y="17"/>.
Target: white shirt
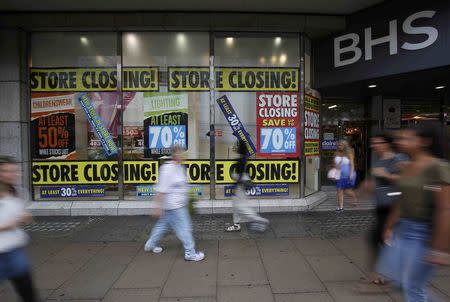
<point x="11" y="209"/>
<point x="172" y="183"/>
<point x="341" y="160"/>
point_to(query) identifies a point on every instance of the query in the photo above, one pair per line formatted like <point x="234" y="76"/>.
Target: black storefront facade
<point x="103" y="97"/>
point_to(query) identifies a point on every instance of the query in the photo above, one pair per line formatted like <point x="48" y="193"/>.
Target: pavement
<point x="307" y="256"/>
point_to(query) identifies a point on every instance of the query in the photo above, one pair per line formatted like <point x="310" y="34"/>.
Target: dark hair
<point x="3" y="186"/>
<point x="386" y="137"/>
<point x="432" y="131"/>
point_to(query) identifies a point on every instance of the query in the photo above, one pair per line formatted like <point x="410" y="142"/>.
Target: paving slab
<point x="443" y="284"/>
<point x="303" y="297"/>
<point x="244" y="293"/>
<point x="8" y="294"/>
<point x="362" y="258"/>
<point x="99" y="274"/>
<point x="41" y="251"/>
<point x="351" y="243"/>
<point x="290" y="273"/>
<point x="241" y="248"/>
<point x="192" y="279"/>
<point x="56" y="270"/>
<point x="345" y="292"/>
<point x="193" y="299"/>
<point x="133" y="295"/>
<point x="276" y="245"/>
<point x="241" y="271"/>
<point x="335" y="268"/>
<point x="315" y="247"/>
<point x="435" y="295"/>
<point x="148" y="270"/>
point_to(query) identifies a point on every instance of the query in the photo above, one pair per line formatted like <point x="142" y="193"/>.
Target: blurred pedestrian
<point x="385" y="169"/>
<point x="242" y="212"/>
<point x="14" y="264"/>
<point x="344" y="162"/>
<point x="417" y="229"/>
<point x="172" y="198"/>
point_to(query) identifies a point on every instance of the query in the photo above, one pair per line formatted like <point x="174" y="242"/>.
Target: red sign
<point x="277" y="125"/>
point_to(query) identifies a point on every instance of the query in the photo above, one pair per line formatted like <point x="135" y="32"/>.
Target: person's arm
<point x="441" y="227"/>
<point x="25" y="219"/>
<point x="352" y="165"/>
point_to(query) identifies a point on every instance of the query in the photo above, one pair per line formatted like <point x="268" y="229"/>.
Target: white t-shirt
<point x="172" y="182"/>
<point x="11" y="209"/>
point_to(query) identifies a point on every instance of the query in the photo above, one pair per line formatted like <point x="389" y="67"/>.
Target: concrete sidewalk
<point x="102" y="259"/>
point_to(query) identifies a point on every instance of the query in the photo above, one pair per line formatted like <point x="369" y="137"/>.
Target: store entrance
<point x="343" y="120"/>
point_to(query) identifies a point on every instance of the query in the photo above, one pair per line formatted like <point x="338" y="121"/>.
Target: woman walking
<point x="345" y="163"/>
<point x="14" y="264"/>
<point x="172" y="197"/>
<point x="417" y="230"/>
<point x="385" y="170"/>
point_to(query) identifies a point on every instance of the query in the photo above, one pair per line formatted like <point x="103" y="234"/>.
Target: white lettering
<point x="391" y="39"/>
<point x="431" y="32"/>
<point x="338" y="51"/>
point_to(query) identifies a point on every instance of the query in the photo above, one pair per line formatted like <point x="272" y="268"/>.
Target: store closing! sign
<point x="312" y="126"/>
<point x="93" y="172"/>
<point x="277" y="124"/>
<point x="146" y="172"/>
<point x="233" y="79"/>
<point x="93" y="79"/>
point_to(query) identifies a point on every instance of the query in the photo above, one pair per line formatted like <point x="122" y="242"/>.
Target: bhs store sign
<point x="353" y="51"/>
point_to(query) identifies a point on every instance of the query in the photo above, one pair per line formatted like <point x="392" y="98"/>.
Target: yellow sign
<point x="312" y="148"/>
<point x="188" y="78"/>
<point x="93" y="172"/>
<point x="234" y="79"/>
<point x="93" y="79"/>
<point x="312" y="103"/>
<point x="71" y="172"/>
<point x="260" y="171"/>
<point x="140" y="172"/>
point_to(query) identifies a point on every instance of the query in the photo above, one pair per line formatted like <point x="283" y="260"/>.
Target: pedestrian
<point x="14" y="264"/>
<point x="385" y="170"/>
<point x="172" y="195"/>
<point x="417" y="229"/>
<point x="242" y="212"/>
<point x="344" y="162"/>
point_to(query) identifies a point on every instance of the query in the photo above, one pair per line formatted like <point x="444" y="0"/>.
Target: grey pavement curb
<point x="123" y="208"/>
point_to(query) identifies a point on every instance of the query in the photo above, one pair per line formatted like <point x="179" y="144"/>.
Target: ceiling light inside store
<point x="229" y="41"/>
<point x="332" y="106"/>
<point x="283" y="59"/>
<point x="273" y="59"/>
<point x="132" y="40"/>
<point x="372" y="86"/>
<point x="278" y="41"/>
<point x="262" y="60"/>
<point x="181" y="39"/>
<point x="84" y="40"/>
<point x="439" y="87"/>
<point x="100" y="60"/>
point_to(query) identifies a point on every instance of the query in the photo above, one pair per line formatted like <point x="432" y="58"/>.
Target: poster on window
<point x="165" y="122"/>
<point x="53" y="126"/>
<point x="312" y="126"/>
<point x="392" y="113"/>
<point x="277" y="125"/>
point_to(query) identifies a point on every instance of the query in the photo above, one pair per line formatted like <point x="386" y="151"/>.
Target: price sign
<point x="166" y="136"/>
<point x="278" y="140"/>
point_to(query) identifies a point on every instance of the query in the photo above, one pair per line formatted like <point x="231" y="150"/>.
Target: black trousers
<point x="24" y="288"/>
<point x="376" y="236"/>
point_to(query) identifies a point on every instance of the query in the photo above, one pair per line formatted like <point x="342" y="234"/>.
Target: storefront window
<point x="257" y="102"/>
<point x="74" y="117"/>
<point x="154" y="119"/>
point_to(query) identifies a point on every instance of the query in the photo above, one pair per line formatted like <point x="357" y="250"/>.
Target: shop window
<point x="74" y="117"/>
<point x="154" y="119"/>
<point x="258" y="101"/>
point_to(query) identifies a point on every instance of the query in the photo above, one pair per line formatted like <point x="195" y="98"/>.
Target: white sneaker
<point x="198" y="256"/>
<point x="153" y="249"/>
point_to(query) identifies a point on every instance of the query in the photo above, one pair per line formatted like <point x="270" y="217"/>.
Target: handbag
<point x="334" y="174"/>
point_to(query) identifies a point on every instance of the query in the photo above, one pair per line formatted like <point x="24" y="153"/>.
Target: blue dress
<point x="345" y="181"/>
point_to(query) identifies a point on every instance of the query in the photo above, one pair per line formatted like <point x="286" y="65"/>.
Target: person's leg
<point x="340" y="197"/>
<point x="24" y="287"/>
<point x="182" y="225"/>
<point x="159" y="230"/>
<point x="352" y="195"/>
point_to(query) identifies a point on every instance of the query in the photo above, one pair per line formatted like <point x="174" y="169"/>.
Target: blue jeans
<point x="180" y="221"/>
<point x="404" y="262"/>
